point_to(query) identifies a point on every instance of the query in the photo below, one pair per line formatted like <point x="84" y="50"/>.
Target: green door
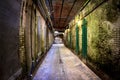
<point x="84" y="38"/>
<point x="77" y="39"/>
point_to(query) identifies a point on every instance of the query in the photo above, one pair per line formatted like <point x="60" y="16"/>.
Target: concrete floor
<point x="61" y="64"/>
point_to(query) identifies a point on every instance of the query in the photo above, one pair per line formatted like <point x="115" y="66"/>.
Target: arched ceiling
<point x="63" y="11"/>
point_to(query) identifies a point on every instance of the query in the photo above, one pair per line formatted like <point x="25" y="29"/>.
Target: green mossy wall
<point x="103" y="36"/>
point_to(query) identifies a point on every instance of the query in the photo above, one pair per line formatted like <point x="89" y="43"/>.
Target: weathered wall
<point x="23" y="33"/>
<point x="9" y="37"/>
<point x="103" y="35"/>
<point x="51" y="38"/>
<point x="104" y="38"/>
<point x="33" y="33"/>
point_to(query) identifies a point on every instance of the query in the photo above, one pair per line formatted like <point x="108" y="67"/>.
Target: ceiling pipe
<point x="84" y="5"/>
<point x="61" y="12"/>
<point x="69" y="12"/>
<point x="46" y="10"/>
<point x="41" y="9"/>
<point x="43" y="5"/>
<point x="94" y="8"/>
<point x="52" y="11"/>
<point x="50" y="5"/>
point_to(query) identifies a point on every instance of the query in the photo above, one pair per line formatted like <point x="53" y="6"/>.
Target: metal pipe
<point x="50" y="8"/>
<point x="50" y="5"/>
<point x="41" y="9"/>
<point x="52" y="11"/>
<point x="61" y="12"/>
<point x="69" y="12"/>
<point x="94" y="9"/>
<point x="84" y="5"/>
<point x="44" y="8"/>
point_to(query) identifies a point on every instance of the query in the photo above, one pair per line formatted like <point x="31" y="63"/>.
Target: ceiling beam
<point x="69" y="12"/>
<point x="61" y="12"/>
<point x="82" y="7"/>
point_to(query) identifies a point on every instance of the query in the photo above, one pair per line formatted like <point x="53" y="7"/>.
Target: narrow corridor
<point x="59" y="39"/>
<point x="61" y="64"/>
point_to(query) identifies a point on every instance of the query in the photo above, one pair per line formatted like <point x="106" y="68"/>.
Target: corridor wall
<point x="23" y="32"/>
<point x="33" y="37"/>
<point x="9" y="38"/>
<point x="103" y="36"/>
